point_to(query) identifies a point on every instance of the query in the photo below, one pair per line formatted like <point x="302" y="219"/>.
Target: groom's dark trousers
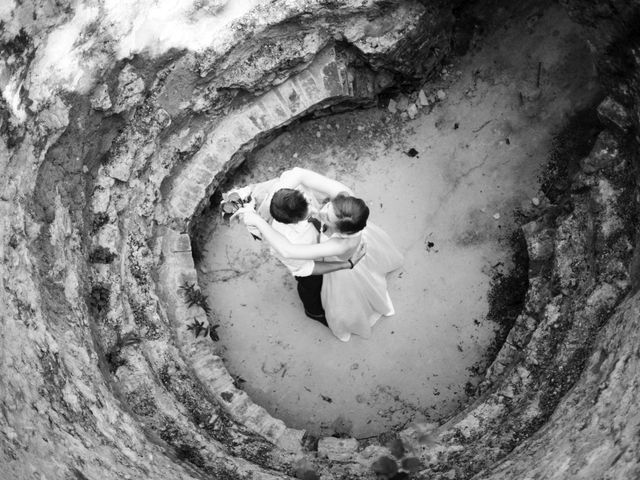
<point x="309" y="289"/>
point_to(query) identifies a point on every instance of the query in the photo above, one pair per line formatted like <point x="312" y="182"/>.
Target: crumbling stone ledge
<point x="178" y="268"/>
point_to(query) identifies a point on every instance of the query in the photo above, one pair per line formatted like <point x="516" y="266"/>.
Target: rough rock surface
<point x="114" y="134"/>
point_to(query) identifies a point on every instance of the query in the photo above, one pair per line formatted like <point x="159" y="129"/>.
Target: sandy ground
<point x="480" y="151"/>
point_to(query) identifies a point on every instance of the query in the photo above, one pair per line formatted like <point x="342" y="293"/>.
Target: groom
<point x="290" y="213"/>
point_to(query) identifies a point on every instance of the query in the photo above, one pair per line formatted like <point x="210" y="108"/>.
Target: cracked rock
<point x="605" y="153"/>
<point x="412" y="111"/>
<point x="422" y="98"/>
<point x="613" y="114"/>
<point x="403" y="103"/>
<point x="130" y="90"/>
<point x="337" y="449"/>
<point x="100" y="99"/>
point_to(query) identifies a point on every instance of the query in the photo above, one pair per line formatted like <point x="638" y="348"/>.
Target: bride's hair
<point x="352" y="213"/>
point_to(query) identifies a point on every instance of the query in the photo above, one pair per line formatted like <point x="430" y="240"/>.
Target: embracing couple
<point x="339" y="259"/>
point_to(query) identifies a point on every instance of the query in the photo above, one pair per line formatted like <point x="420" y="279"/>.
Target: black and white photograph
<point x="319" y="240"/>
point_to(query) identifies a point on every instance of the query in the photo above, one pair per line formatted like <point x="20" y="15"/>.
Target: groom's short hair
<point x="288" y="206"/>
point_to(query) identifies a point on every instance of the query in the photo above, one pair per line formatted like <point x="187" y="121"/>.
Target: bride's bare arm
<point x="286" y="249"/>
<point x="301" y="176"/>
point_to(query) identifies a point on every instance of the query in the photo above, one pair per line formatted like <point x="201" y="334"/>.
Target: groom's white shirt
<point x="301" y="233"/>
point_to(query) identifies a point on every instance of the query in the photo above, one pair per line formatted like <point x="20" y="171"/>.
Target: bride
<point x="354" y="299"/>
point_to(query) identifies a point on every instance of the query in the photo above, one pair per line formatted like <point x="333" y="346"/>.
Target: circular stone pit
<point x="447" y="186"/>
<point x="101" y="378"/>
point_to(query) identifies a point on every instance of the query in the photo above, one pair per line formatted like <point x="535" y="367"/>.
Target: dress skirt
<point x="354" y="300"/>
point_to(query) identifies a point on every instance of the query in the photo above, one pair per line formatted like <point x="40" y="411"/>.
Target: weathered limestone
<point x="337" y="449"/>
<point x="130" y="90"/>
<point x="544" y="352"/>
<point x="127" y="323"/>
<point x="94" y="383"/>
<point x="613" y="114"/>
<point x="604" y="153"/>
<point x="100" y="99"/>
<point x="590" y="439"/>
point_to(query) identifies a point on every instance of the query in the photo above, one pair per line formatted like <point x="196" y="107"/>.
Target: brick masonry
<point x="178" y="268"/>
<point x="327" y="78"/>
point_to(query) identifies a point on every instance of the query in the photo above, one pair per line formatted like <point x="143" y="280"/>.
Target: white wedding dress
<point x="354" y="300"/>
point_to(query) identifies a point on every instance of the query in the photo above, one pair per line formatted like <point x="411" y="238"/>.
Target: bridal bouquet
<point x="235" y="199"/>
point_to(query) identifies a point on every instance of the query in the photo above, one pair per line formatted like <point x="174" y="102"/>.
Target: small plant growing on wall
<point x="101" y="255"/>
<point x="304" y="470"/>
<point x="114" y="360"/>
<point x="99" y="298"/>
<point x="398" y="467"/>
<point x="99" y="219"/>
<point x="202" y="328"/>
<point x="193" y="296"/>
<point x="238" y="381"/>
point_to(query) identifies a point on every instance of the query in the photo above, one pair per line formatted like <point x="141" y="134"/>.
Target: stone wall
<point x="109" y="149"/>
<point x="101" y="129"/>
